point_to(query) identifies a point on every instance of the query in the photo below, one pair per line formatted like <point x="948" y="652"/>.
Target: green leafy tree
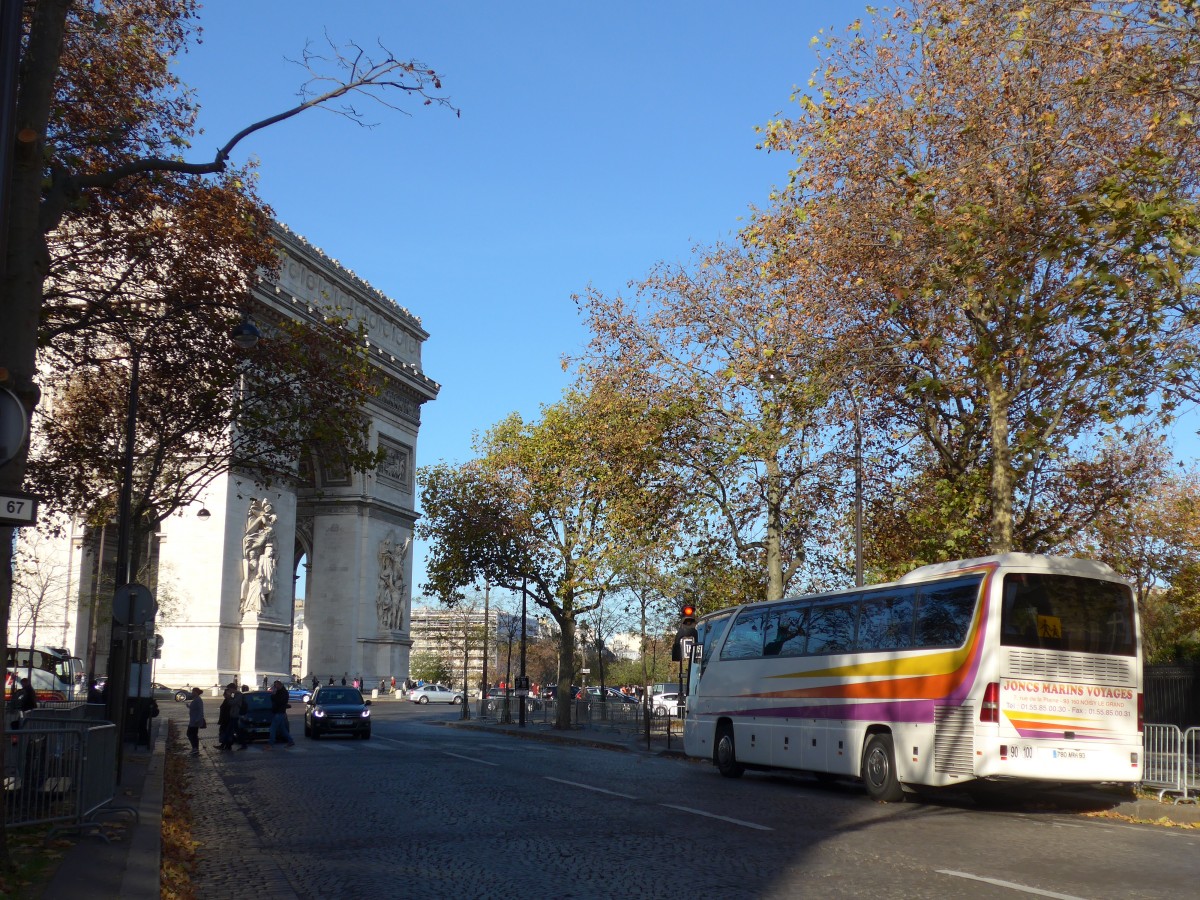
<point x="552" y="504"/>
<point x="430" y="666"/>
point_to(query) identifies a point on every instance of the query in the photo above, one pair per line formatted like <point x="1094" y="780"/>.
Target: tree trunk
<point x="566" y="671"/>
<point x="774" y="555"/>
<point x="1003" y="479"/>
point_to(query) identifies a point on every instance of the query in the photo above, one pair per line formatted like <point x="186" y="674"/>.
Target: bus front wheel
<point x="726" y="754"/>
<point x="879" y="770"/>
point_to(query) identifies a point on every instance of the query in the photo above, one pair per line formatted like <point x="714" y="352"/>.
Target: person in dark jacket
<point x="279" y="721"/>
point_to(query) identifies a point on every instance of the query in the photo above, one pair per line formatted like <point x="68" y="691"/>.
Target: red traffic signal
<point x="688" y="614"/>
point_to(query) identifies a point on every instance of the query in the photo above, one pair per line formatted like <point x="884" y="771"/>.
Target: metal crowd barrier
<point x="1171" y="761"/>
<point x="1191" y="764"/>
<point x="61" y="772"/>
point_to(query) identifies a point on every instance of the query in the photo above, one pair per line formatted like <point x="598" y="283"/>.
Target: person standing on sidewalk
<point x="196" y="719"/>
<point x="279" y="721"/>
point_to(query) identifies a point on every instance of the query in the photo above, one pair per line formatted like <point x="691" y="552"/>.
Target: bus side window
<point x="831" y="627"/>
<point x="785" y="632"/>
<point x="886" y="620"/>
<point x="944" y="612"/>
<point x="745" y="639"/>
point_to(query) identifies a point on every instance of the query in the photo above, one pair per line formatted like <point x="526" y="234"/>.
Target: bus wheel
<point x="879" y="770"/>
<point x="726" y="754"/>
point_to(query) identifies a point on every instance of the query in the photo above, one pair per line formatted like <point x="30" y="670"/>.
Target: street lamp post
<point x="245" y="335"/>
<point x="524" y="682"/>
<point x="117" y="687"/>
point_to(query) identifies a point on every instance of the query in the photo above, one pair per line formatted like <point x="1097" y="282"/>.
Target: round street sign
<point x="14" y="425"/>
<point x="133" y="604"/>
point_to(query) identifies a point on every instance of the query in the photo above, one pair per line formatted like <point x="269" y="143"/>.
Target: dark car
<point x="337" y="710"/>
<point x="255" y="721"/>
<point x="496" y="700"/>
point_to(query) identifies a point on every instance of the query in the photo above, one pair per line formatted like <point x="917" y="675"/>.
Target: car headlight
<point x="366" y="713"/>
<point x="318" y="712"/>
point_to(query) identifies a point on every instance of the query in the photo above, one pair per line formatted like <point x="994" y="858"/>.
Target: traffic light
<point x="685" y="633"/>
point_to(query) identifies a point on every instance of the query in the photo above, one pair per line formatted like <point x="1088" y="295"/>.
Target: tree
<point x="1010" y="235"/>
<point x="735" y="355"/>
<point x="40" y="582"/>
<point x="1155" y="542"/>
<point x="552" y="504"/>
<point x="425" y="665"/>
<point x="100" y="121"/>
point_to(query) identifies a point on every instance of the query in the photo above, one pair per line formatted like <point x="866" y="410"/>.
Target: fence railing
<point x="613" y="715"/>
<point x="1171" y="761"/>
<point x="61" y="772"/>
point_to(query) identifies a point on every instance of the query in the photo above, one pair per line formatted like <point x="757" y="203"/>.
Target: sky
<point x="595" y="140"/>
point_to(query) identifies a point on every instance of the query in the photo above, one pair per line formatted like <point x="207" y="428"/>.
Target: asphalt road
<point x="426" y="810"/>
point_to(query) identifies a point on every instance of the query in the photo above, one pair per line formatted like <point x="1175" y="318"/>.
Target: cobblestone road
<point x="423" y="810"/>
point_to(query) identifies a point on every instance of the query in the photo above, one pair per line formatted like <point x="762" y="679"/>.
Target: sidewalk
<point x="127" y="868"/>
<point x="127" y="865"/>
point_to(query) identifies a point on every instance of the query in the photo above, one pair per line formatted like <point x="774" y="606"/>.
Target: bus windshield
<point x="1062" y="612"/>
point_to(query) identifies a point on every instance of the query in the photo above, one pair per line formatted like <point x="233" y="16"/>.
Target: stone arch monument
<point x="232" y="575"/>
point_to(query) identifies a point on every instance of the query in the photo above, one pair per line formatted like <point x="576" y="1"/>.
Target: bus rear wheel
<point x="879" y="770"/>
<point x="726" y="754"/>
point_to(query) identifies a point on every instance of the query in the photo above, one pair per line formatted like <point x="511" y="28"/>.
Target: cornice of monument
<point x="394" y="334"/>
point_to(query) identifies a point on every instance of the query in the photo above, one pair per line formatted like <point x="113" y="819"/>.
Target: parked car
<point x="337" y="710"/>
<point x="611" y="695"/>
<point x="162" y="692"/>
<point x="496" y="695"/>
<point x="255" y="720"/>
<point x="299" y="693"/>
<point x="665" y="704"/>
<point x="435" y="693"/>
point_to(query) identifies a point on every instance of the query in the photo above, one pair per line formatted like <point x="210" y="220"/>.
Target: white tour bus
<point x="1005" y="668"/>
<point x="52" y="671"/>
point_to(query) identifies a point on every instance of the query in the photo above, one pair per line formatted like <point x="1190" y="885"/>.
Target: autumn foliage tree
<point x="740" y="360"/>
<point x="1008" y="217"/>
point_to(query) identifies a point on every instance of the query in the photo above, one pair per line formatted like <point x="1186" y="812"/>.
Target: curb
<point x="141" y="878"/>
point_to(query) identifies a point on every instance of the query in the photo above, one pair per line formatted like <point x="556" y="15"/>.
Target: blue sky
<point x="595" y="140"/>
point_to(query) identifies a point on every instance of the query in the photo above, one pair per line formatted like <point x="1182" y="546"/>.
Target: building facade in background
<point x="470" y="634"/>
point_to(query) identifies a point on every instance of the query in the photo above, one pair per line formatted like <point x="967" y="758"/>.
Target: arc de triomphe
<point x="228" y="577"/>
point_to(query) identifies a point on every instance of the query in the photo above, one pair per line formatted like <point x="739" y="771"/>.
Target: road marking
<point x="588" y="787"/>
<point x="701" y="812"/>
<point x="1011" y="885"/>
<point x="470" y="758"/>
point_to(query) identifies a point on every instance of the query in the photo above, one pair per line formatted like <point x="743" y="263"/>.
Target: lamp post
<point x="117" y="687"/>
<point x="524" y="682"/>
<point x="245" y="335"/>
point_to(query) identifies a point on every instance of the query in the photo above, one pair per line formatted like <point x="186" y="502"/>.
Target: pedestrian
<point x="279" y="721"/>
<point x="393" y="684"/>
<point x="227" y="719"/>
<point x="196" y="719"/>
<point x="344" y="674"/>
<point x="28" y="696"/>
<point x="265" y="682"/>
<point x="358" y="682"/>
<point x="316" y="681"/>
<point x="382" y="687"/>
<point x="331" y="681"/>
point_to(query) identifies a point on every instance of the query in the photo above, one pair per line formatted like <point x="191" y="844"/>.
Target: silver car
<point x="435" y="693"/>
